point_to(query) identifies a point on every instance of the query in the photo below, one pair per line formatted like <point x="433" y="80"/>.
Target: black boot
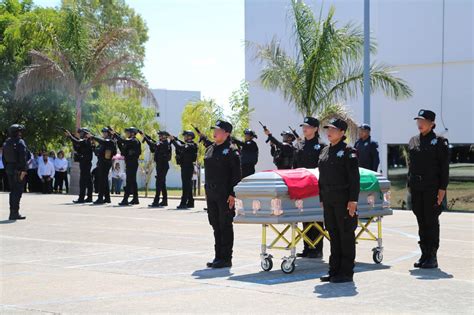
<point x="135" y="201"/>
<point x="424" y="256"/>
<point x="432" y="260"/>
<point x="124" y="202"/>
<point x="181" y="206"/>
<point x="163" y="204"/>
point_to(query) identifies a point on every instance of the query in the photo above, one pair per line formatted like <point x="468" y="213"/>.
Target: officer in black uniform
<point x="222" y="173"/>
<point x="106" y="149"/>
<point x="428" y="177"/>
<point x="186" y="155"/>
<point x="83" y="154"/>
<point x="307" y="155"/>
<point x="248" y="152"/>
<point x="130" y="148"/>
<point x="15" y="158"/>
<point x="162" y="151"/>
<point x="339" y="184"/>
<point x="367" y="150"/>
<point x="283" y="152"/>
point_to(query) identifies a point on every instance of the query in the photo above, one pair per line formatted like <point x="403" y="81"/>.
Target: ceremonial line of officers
<point x="227" y="160"/>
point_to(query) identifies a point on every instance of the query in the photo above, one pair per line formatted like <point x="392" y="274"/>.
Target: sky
<point x="193" y="44"/>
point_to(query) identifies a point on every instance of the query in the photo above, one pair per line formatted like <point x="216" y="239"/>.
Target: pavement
<point x="70" y="259"/>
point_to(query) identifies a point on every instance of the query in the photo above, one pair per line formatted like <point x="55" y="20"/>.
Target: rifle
<point x="294" y="132"/>
<point x="264" y="129"/>
<point x="197" y="129"/>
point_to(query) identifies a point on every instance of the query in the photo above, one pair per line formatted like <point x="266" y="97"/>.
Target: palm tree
<point x="327" y="69"/>
<point x="81" y="63"/>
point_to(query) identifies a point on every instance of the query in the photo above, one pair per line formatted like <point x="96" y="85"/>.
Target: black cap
<point x="426" y="114"/>
<point x="337" y="123"/>
<point x="163" y="133"/>
<point x="287" y="133"/>
<point x="84" y="130"/>
<point x="106" y="129"/>
<point x="250" y="132"/>
<point x="189" y="133"/>
<point x="131" y="129"/>
<point x="365" y="127"/>
<point x="224" y="125"/>
<point x="310" y="121"/>
<point x="15" y="128"/>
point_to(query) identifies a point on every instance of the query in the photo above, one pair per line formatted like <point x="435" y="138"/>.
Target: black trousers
<point x="85" y="180"/>
<point x="313" y="234"/>
<point x="426" y="210"/>
<point x="221" y="219"/>
<point x="247" y="169"/>
<point x="187" y="184"/>
<point x="131" y="187"/>
<point x="47" y="184"/>
<point x="60" y="180"/>
<point x="34" y="183"/>
<point x="341" y="227"/>
<point x="3" y="180"/>
<point x="103" y="168"/>
<point x="16" y="191"/>
<point x="160" y="185"/>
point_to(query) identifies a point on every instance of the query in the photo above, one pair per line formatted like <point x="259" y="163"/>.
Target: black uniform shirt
<point x="105" y="150"/>
<point x="15" y="155"/>
<point x="83" y="148"/>
<point x="368" y="153"/>
<point x="339" y="172"/>
<point x="186" y="152"/>
<point x="307" y="153"/>
<point x="248" y="151"/>
<point x="161" y="149"/>
<point x="130" y="148"/>
<point x="429" y="162"/>
<point x="282" y="152"/>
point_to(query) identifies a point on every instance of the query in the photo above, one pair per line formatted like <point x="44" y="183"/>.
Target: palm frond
<point x="339" y="110"/>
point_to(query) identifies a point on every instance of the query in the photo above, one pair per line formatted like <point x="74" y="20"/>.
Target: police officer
<point x="15" y="158"/>
<point x="339" y="184"/>
<point x="222" y="173"/>
<point x="83" y="154"/>
<point x="367" y="150"/>
<point x="428" y="177"/>
<point x="307" y="155"/>
<point x="104" y="151"/>
<point x="186" y="155"/>
<point x="282" y="152"/>
<point x="130" y="148"/>
<point x="162" y="155"/>
<point x="248" y="152"/>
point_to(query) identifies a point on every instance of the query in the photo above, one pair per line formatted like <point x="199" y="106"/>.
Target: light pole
<point x="367" y="61"/>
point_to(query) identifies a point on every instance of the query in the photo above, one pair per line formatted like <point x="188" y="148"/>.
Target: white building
<point x="410" y="37"/>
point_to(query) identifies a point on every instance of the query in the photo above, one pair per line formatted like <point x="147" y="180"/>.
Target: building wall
<point x="409" y="36"/>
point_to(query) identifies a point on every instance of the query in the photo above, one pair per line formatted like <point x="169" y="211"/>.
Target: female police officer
<point x="428" y="176"/>
<point x="339" y="185"/>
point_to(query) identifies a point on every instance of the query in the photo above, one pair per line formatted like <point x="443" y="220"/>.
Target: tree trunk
<point x="78" y="111"/>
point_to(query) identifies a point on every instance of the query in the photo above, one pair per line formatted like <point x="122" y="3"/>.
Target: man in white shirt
<point x="60" y="177"/>
<point x="46" y="174"/>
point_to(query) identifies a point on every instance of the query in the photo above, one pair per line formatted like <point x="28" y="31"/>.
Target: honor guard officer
<point x="104" y="152"/>
<point x="162" y="152"/>
<point x="222" y="173"/>
<point x="186" y="155"/>
<point x="248" y="152"/>
<point x="282" y="152"/>
<point x="83" y="149"/>
<point x="307" y="155"/>
<point x="339" y="184"/>
<point x="15" y="158"/>
<point x="367" y="150"/>
<point x="131" y="149"/>
<point x="428" y="177"/>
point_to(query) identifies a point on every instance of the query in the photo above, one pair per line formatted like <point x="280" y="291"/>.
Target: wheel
<point x="377" y="256"/>
<point x="287" y="267"/>
<point x="267" y="264"/>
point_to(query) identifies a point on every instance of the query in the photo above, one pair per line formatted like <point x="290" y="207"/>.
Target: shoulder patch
<point x="434" y="141"/>
<point x="340" y="153"/>
<point x="317" y="147"/>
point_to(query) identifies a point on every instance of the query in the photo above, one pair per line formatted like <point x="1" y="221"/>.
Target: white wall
<point x="409" y="37"/>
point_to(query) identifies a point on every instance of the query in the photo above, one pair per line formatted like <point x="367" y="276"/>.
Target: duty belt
<point x="334" y="187"/>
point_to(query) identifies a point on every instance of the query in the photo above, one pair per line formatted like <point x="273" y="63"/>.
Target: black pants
<point x="60" y="180"/>
<point x="247" y="169"/>
<point x="313" y="234"/>
<point x="160" y="185"/>
<point x="187" y="185"/>
<point x="85" y="181"/>
<point x="47" y="184"/>
<point x="341" y="227"/>
<point x="221" y="218"/>
<point x="16" y="191"/>
<point x="34" y="183"/>
<point x="131" y="187"/>
<point x="103" y="168"/>
<point x="3" y="180"/>
<point x="426" y="210"/>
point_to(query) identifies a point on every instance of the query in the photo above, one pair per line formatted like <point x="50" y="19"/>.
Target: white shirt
<point x="1" y="163"/>
<point x="117" y="174"/>
<point x="60" y="165"/>
<point x="32" y="163"/>
<point x="46" y="169"/>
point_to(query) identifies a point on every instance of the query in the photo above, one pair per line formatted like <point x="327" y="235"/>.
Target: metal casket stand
<point x="262" y="198"/>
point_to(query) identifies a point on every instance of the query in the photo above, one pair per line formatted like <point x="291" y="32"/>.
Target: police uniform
<point x="283" y="152"/>
<point x="104" y="152"/>
<point x="162" y="156"/>
<point x="15" y="158"/>
<point x="131" y="149"/>
<point x="186" y="155"/>
<point x="307" y="155"/>
<point x="248" y="153"/>
<point x="83" y="154"/>
<point x="339" y="183"/>
<point x="222" y="173"/>
<point x="367" y="151"/>
<point x="428" y="172"/>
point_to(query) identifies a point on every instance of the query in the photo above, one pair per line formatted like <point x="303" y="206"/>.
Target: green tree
<point x="327" y="69"/>
<point x="239" y="104"/>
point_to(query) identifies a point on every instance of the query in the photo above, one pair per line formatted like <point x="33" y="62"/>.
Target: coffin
<point x="263" y="198"/>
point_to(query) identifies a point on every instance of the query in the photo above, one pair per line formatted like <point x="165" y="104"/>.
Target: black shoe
<point x="315" y="254"/>
<point x="341" y="279"/>
<point x="88" y="200"/>
<point x="211" y="263"/>
<point x="222" y="264"/>
<point x="182" y="207"/>
<point x="154" y="205"/>
<point x="124" y="203"/>
<point x="18" y="217"/>
<point x="326" y="278"/>
<point x="135" y="202"/>
<point x="79" y="201"/>
<point x="163" y="204"/>
<point x="107" y="201"/>
<point x="431" y="262"/>
<point x="99" y="202"/>
<point x="303" y="254"/>
<point x="423" y="258"/>
<point x="190" y="205"/>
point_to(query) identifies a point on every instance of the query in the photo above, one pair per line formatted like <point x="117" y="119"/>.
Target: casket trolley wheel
<point x="288" y="265"/>
<point x="267" y="263"/>
<point x="377" y="255"/>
